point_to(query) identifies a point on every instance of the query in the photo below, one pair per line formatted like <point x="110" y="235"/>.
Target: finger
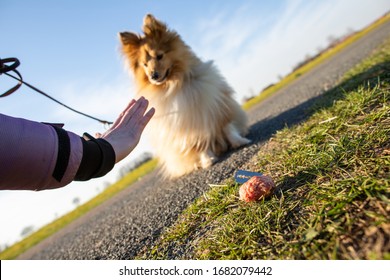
<point x="140" y="125"/>
<point x="124" y="113"/>
<point x="148" y="116"/>
<point x="137" y="111"/>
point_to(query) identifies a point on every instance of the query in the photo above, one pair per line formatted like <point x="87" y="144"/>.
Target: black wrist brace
<point x="98" y="158"/>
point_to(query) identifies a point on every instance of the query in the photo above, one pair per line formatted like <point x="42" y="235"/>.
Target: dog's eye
<point x="160" y="56"/>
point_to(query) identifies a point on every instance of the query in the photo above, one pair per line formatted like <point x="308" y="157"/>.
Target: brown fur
<point x="196" y="115"/>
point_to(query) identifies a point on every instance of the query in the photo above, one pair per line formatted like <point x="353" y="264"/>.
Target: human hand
<point x="126" y="131"/>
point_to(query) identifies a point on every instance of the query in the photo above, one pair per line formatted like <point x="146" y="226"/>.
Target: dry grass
<point x="332" y="174"/>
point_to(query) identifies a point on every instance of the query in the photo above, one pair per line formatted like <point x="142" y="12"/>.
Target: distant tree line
<point x="332" y="40"/>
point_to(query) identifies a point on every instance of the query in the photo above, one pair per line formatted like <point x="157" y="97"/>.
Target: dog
<point x="196" y="118"/>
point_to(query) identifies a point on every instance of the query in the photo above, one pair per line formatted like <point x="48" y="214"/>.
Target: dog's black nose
<point x="155" y="75"/>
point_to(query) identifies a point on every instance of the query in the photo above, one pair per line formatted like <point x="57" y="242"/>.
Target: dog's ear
<point x="129" y="39"/>
<point x="152" y="25"/>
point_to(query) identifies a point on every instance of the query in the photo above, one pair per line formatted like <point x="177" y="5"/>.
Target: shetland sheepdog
<point x="196" y="118"/>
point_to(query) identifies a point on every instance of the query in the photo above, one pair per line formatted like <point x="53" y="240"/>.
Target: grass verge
<point x="46" y="231"/>
<point x="332" y="175"/>
<point x="309" y="66"/>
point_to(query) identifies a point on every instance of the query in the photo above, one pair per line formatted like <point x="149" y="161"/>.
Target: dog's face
<point x="154" y="52"/>
<point x="156" y="62"/>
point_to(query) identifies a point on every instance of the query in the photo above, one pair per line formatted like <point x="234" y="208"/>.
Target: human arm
<point x="36" y="156"/>
<point x="29" y="152"/>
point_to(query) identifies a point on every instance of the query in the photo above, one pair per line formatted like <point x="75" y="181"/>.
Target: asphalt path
<point x="132" y="220"/>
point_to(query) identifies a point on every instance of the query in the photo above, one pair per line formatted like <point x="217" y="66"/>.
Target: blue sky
<point x="70" y="49"/>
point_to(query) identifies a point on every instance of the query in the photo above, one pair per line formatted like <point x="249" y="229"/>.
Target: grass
<point x="312" y="64"/>
<point x="46" y="231"/>
<point x="333" y="187"/>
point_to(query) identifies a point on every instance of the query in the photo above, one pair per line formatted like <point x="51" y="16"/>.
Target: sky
<point x="70" y="49"/>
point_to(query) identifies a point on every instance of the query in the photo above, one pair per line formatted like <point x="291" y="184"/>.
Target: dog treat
<point x="256" y="188"/>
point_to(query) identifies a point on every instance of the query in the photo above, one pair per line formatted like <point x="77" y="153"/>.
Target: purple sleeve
<point x="28" y="155"/>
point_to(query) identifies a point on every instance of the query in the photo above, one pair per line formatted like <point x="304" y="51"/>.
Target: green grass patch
<point x="332" y="176"/>
<point x="312" y="64"/>
<point x="46" y="231"/>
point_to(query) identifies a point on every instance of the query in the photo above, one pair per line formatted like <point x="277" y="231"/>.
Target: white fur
<point x="196" y="117"/>
<point x="188" y="119"/>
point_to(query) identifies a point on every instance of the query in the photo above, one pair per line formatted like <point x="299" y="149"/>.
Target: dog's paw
<point x="234" y="137"/>
<point x="239" y="142"/>
<point x="207" y="159"/>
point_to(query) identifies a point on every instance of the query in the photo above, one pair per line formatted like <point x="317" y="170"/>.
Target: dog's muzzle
<point x="155" y="77"/>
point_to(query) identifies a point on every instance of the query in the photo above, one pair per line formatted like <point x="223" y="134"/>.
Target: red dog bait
<point x="256" y="188"/>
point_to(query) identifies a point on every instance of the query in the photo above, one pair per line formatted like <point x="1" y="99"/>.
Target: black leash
<point x="4" y="69"/>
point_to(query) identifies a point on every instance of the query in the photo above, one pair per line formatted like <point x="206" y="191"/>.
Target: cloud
<point x="252" y="47"/>
<point x="102" y="99"/>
